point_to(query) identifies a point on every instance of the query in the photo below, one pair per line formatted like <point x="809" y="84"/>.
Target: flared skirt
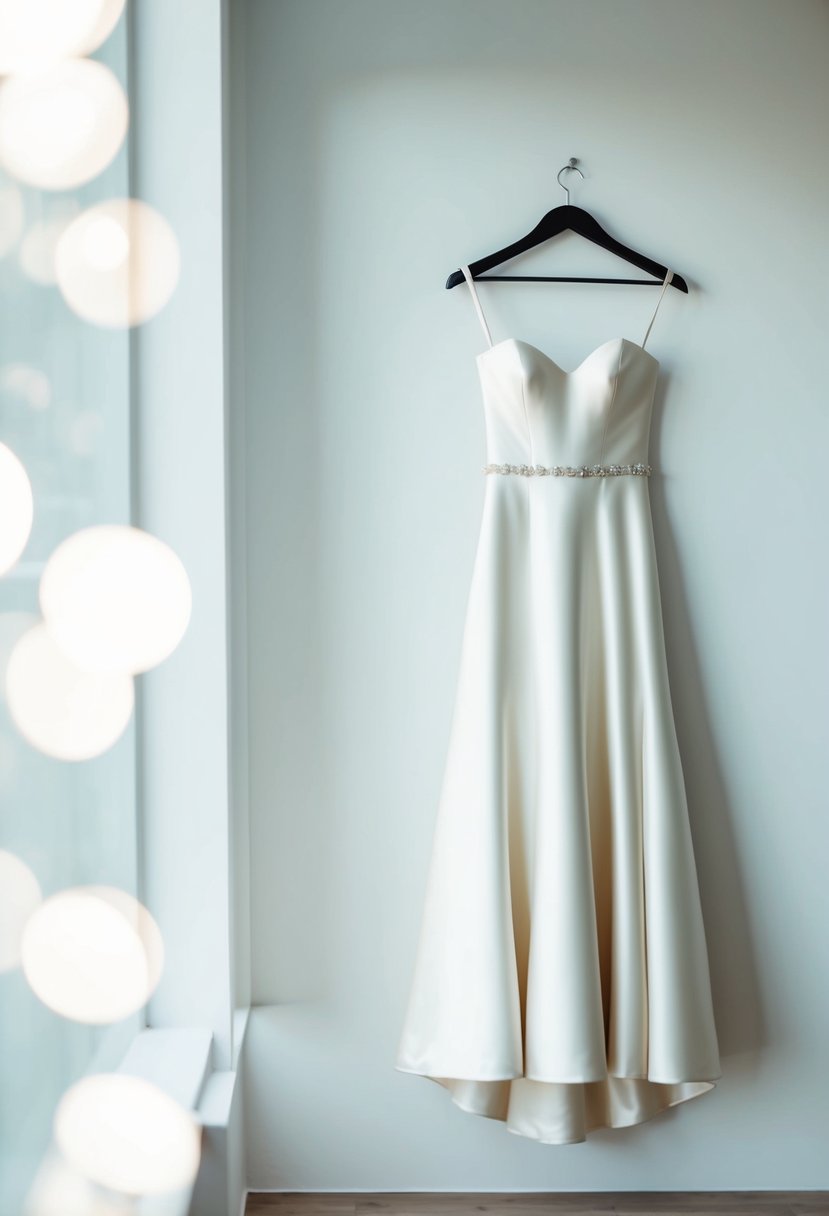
<point x="561" y="981"/>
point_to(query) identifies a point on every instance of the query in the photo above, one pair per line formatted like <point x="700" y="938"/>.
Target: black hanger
<point x="562" y="219"/>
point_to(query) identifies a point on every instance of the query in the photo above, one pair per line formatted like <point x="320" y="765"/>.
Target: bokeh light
<point x="62" y="127"/>
<point x="59" y="1190"/>
<point x="92" y="954"/>
<point x="20" y="897"/>
<point x="16" y="508"/>
<point x="115" y="598"/>
<point x="118" y="263"/>
<point x="25" y="384"/>
<point x="127" y="1134"/>
<point x="60" y="709"/>
<point x="12" y="627"/>
<point x="84" y="432"/>
<point x="108" y="13"/>
<point x="36" y="33"/>
<point x="39" y="243"/>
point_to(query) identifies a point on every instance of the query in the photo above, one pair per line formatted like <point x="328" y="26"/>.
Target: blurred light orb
<point x="62" y="127"/>
<point x="106" y="245"/>
<point x="118" y="263"/>
<point x="36" y="254"/>
<point x="84" y="431"/>
<point x="37" y="33"/>
<point x="25" y="384"/>
<point x="115" y="598"/>
<point x="11" y="218"/>
<point x="59" y="1190"/>
<point x="20" y="897"/>
<point x="16" y="508"/>
<point x="92" y="954"/>
<point x="60" y="709"/>
<point x="12" y="627"/>
<point x="109" y="12"/>
<point x="126" y="1134"/>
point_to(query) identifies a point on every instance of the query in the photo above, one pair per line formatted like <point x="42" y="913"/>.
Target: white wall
<point x="385" y="144"/>
<point x="181" y="492"/>
<point x="189" y="480"/>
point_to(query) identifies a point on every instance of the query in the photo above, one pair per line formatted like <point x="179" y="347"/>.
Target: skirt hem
<point x="705" y="1085"/>
<point x="596" y="1127"/>
<point x="432" y="1074"/>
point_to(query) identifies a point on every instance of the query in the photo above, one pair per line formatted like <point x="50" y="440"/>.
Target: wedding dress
<point x="561" y="982"/>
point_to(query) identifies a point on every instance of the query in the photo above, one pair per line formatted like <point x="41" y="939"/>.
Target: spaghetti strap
<point x="669" y="274"/>
<point x="477" y="303"/>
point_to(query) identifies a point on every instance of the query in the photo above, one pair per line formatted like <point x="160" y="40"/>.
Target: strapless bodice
<point x="537" y="414"/>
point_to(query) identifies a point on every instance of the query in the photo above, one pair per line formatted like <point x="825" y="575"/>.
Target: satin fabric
<point x="561" y="982"/>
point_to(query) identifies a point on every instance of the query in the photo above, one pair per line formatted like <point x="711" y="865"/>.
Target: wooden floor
<point x="649" y="1203"/>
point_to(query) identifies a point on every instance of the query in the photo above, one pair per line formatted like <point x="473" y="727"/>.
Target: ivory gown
<point x="561" y="982"/>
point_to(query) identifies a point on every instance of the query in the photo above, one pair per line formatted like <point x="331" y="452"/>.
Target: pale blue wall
<point x="383" y="144"/>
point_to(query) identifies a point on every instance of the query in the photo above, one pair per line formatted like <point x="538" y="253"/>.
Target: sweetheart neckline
<point x="521" y="342"/>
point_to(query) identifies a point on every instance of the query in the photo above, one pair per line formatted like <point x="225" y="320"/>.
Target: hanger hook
<point x="572" y="165"/>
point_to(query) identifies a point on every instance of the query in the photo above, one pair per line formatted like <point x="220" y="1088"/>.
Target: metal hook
<point x="572" y="165"/>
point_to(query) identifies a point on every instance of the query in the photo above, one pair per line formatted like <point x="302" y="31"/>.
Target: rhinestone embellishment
<point x="568" y="470"/>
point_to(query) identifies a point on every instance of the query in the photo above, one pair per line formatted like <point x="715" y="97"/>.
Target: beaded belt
<point x="568" y="470"/>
